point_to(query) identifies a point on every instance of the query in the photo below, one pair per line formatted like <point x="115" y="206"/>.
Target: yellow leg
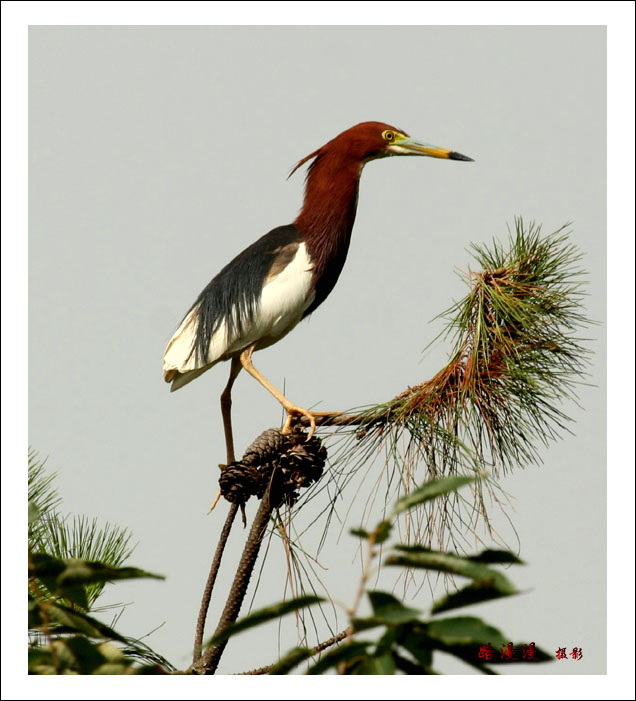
<point x="291" y="409"/>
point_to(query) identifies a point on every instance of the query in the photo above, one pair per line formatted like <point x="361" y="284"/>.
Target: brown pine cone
<point x="238" y="482"/>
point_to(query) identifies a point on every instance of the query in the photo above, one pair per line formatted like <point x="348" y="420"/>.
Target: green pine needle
<point x="516" y="355"/>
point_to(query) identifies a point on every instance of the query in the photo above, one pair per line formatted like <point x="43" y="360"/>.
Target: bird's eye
<point x="388" y="135"/>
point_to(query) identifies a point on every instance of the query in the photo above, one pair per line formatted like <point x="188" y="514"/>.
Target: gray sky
<point x="158" y="153"/>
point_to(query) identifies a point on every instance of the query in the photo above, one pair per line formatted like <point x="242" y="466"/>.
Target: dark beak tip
<point x="454" y="156"/>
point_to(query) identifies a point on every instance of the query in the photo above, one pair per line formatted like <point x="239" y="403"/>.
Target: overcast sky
<point x="158" y="153"/>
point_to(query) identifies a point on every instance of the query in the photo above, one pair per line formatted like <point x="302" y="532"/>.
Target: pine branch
<point x="515" y="357"/>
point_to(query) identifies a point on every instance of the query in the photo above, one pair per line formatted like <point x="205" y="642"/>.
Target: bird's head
<point x="370" y="140"/>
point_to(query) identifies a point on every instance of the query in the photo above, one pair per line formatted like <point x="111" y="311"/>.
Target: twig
<point x="339" y="420"/>
<point x="319" y="648"/>
<point x="363" y="579"/>
<point x="207" y="592"/>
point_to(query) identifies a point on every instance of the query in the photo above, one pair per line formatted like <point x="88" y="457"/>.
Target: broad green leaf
<point x="291" y="660"/>
<point x="464" y="630"/>
<point x="46" y="568"/>
<point x="389" y="640"/>
<point x="475" y="593"/>
<point x="465" y="635"/>
<point x="83" y="656"/>
<point x="76" y="595"/>
<point x="383" y="664"/>
<point x="70" y="620"/>
<point x="344" y="653"/>
<point x="262" y="616"/>
<point x="405" y="665"/>
<point x="359" y="532"/>
<point x="419" y="645"/>
<point x="382" y="532"/>
<point x="360" y="624"/>
<point x="493" y="557"/>
<point x="430" y="490"/>
<point x="64" y="576"/>
<point x="443" y="562"/>
<point x="44" y="565"/>
<point x="83" y="572"/>
<point x="388" y="610"/>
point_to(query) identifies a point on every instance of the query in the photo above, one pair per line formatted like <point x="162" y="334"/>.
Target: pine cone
<point x="286" y="462"/>
<point x="238" y="482"/>
<point x="269" y="444"/>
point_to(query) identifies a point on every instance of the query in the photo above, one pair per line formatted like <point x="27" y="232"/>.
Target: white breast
<point x="284" y="300"/>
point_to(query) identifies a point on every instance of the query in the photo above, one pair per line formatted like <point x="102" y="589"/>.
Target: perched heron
<point x="260" y="296"/>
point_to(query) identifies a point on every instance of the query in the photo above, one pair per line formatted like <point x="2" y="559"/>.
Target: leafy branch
<point x="407" y="640"/>
<point x="515" y="356"/>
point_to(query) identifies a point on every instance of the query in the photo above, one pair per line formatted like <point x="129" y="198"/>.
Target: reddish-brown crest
<point x="356" y="145"/>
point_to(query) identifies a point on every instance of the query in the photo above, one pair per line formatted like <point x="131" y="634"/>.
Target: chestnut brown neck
<point x="326" y="219"/>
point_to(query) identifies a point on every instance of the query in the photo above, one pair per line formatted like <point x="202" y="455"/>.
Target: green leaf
<point x="388" y="610"/>
<point x="76" y="595"/>
<point x="46" y="569"/>
<point x="361" y="624"/>
<point x="262" y="616"/>
<point x="419" y="645"/>
<point x="291" y="660"/>
<point x="464" y="630"/>
<point x="492" y="557"/>
<point x="359" y="532"/>
<point x="463" y="637"/>
<point x="443" y="562"/>
<point x="345" y="653"/>
<point x="475" y="593"/>
<point x="40" y="659"/>
<point x="430" y="490"/>
<point x="405" y="665"/>
<point x="83" y="655"/>
<point x="383" y="664"/>
<point x="83" y="572"/>
<point x="71" y="620"/>
<point x="68" y="577"/>
<point x="382" y="532"/>
<point x="388" y="641"/>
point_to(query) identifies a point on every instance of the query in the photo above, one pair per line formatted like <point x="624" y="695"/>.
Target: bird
<point x="284" y="276"/>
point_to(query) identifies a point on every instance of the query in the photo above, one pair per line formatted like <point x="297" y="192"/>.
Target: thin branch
<point x="207" y="592"/>
<point x="314" y="651"/>
<point x="209" y="661"/>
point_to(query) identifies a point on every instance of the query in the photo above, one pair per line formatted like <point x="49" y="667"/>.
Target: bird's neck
<point x="326" y="219"/>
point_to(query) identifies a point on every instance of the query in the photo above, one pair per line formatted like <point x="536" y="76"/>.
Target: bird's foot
<point x="293" y="411"/>
<point x="309" y="417"/>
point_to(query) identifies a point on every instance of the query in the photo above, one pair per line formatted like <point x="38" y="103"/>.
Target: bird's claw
<point x="297" y="411"/>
